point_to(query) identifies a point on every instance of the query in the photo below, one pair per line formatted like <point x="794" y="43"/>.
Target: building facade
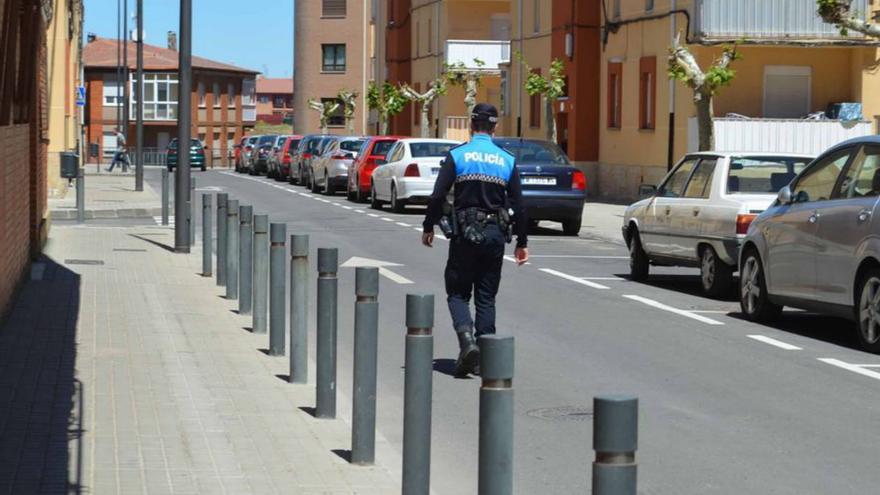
<point x="223" y="101"/>
<point x="274" y="100"/>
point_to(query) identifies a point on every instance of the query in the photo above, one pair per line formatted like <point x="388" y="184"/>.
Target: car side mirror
<point x="647" y="191"/>
<point x="784" y="196"/>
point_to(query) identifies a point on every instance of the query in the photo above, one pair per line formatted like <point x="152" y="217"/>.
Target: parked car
<point x="279" y="161"/>
<point x="246" y="152"/>
<point x="700" y="213"/>
<point x="330" y="172"/>
<point x="236" y="157"/>
<point x="360" y="171"/>
<point x="301" y="160"/>
<point x="279" y="142"/>
<point x="553" y="189"/>
<point x="196" y="154"/>
<point x="259" y="162"/>
<point x="818" y="246"/>
<point x="409" y="172"/>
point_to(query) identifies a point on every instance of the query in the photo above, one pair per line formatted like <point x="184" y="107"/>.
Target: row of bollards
<point x="251" y="265"/>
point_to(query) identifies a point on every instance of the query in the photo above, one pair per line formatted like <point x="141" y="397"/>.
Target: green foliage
<point x="457" y="74"/>
<point x="551" y="87"/>
<point x="715" y="77"/>
<point x="387" y="99"/>
<point x="835" y="12"/>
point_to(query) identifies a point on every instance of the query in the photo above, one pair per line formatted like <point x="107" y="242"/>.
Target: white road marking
<point x="359" y="211"/>
<point x="513" y="260"/>
<point x="579" y="256"/>
<point x="417" y="228"/>
<point x="681" y="312"/>
<point x="386" y="219"/>
<point x="403" y="224"/>
<point x="574" y="279"/>
<point x="855" y="368"/>
<point x="778" y="343"/>
<point x="710" y="311"/>
<point x="381" y="265"/>
<point x="346" y="207"/>
<point x="616" y="279"/>
<point x="372" y="215"/>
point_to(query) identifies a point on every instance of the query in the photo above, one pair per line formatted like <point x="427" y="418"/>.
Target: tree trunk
<point x="384" y="120"/>
<point x="426" y="124"/>
<point x="550" y="120"/>
<point x="349" y="123"/>
<point x="704" y="123"/>
<point x="323" y="126"/>
<point x="470" y="96"/>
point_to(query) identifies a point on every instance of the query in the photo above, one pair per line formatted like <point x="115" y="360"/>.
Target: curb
<point x="103" y="214"/>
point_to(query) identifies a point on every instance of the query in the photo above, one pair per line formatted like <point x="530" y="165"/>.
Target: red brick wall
<point x="14" y="209"/>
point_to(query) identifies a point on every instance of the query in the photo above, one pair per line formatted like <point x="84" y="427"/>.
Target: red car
<point x="279" y="161"/>
<point x="361" y="169"/>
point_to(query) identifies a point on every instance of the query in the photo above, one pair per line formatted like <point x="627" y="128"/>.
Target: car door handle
<point x="814" y="217"/>
<point x="864" y="215"/>
<point x="668" y="209"/>
<point x="696" y="211"/>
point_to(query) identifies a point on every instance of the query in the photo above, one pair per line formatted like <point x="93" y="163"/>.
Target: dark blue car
<point x="553" y="189"/>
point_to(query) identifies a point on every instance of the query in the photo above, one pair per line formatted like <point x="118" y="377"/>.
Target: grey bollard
<point x="165" y="198"/>
<point x="496" y="415"/>
<point x="366" y="328"/>
<point x="417" y="394"/>
<point x="232" y="249"/>
<point x="245" y="259"/>
<point x="207" y="260"/>
<point x="261" y="273"/>
<point x="615" y="440"/>
<point x="80" y="195"/>
<point x="299" y="309"/>
<point x="325" y="393"/>
<point x="277" y="287"/>
<point x="222" y="199"/>
<point x="192" y="211"/>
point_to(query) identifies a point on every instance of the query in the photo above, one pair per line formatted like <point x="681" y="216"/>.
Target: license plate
<point x="435" y="171"/>
<point x="539" y="181"/>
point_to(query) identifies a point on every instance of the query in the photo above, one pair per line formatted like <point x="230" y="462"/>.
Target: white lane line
<point x="359" y="211"/>
<point x="580" y="256"/>
<point x="868" y="365"/>
<point x="710" y="311"/>
<point x="419" y="229"/>
<point x="403" y="224"/>
<point x="851" y="367"/>
<point x="513" y="260"/>
<point x="372" y="215"/>
<point x="574" y="279"/>
<point x="681" y="312"/>
<point x="334" y="203"/>
<point x="346" y="207"/>
<point x="616" y="279"/>
<point x="778" y="343"/>
<point x="386" y="219"/>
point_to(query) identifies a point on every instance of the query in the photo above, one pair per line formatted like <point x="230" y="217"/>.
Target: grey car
<point x="818" y="246"/>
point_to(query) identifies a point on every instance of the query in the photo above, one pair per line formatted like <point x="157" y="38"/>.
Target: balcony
<point x="776" y="20"/>
<point x="249" y="113"/>
<point x="491" y="52"/>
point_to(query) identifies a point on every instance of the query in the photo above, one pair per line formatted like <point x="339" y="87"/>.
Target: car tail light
<point x="743" y="221"/>
<point x="306" y="156"/>
<point x="578" y="180"/>
<point x="286" y="159"/>
<point x="412" y="170"/>
<point x="338" y="157"/>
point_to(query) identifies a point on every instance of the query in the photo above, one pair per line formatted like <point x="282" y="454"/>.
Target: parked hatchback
<point x="196" y="154"/>
<point x="330" y="172"/>
<point x="259" y="158"/>
<point x="302" y="157"/>
<point x="360" y="172"/>
<point x="279" y="161"/>
<point x="818" y="246"/>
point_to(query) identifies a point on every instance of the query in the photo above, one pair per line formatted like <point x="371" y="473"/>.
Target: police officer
<point x="487" y="190"/>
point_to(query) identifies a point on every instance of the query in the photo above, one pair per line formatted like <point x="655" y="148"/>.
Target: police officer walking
<point x="487" y="191"/>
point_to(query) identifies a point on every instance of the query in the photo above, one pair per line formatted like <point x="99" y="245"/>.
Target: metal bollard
<point x="277" y="287"/>
<point x="496" y="415"/>
<point x="206" y="235"/>
<point x="299" y="309"/>
<point x="222" y="199"/>
<point x="80" y="195"/>
<point x="232" y="249"/>
<point x="245" y="259"/>
<point x="417" y="393"/>
<point x="615" y="440"/>
<point x="261" y="273"/>
<point x="366" y="328"/>
<point x="325" y="399"/>
<point x="165" y="196"/>
<point x="192" y="211"/>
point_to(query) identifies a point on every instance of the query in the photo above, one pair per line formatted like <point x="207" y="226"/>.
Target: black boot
<point x="468" y="356"/>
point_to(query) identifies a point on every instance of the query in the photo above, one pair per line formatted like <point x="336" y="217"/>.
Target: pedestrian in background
<point x="486" y="211"/>
<point x="121" y="154"/>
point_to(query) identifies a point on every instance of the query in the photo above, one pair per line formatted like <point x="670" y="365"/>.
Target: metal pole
<point x="232" y="249"/>
<point x="206" y="235"/>
<point x="118" y="66"/>
<point x="299" y="309"/>
<point x="366" y="328"/>
<point x="417" y="392"/>
<point x="125" y="94"/>
<point x="496" y="415"/>
<point x="184" y="131"/>
<point x="325" y="403"/>
<point x="245" y="259"/>
<point x="277" y="287"/>
<point x="261" y="272"/>
<point x="165" y="198"/>
<point x="80" y="195"/>
<point x="615" y="440"/>
<point x="138" y="92"/>
<point x="192" y="211"/>
<point x="222" y="200"/>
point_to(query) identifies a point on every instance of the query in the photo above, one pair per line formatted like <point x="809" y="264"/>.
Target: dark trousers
<point x="474" y="269"/>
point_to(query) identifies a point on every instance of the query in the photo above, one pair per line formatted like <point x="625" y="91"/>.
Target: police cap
<point x="484" y="112"/>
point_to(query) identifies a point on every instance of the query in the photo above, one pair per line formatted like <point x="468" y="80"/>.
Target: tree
<point x="386" y="100"/>
<point x="436" y="88"/>
<point x="458" y="74"/>
<point x="705" y="84"/>
<point x="326" y="110"/>
<point x="549" y="89"/>
<point x="349" y="104"/>
<point x="840" y="13"/>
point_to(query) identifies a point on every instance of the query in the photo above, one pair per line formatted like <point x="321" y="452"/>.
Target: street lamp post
<point x="184" y="120"/>
<point x="125" y="73"/>
<point x="138" y="96"/>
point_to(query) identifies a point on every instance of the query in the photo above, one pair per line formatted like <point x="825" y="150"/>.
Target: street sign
<point x="80" y="96"/>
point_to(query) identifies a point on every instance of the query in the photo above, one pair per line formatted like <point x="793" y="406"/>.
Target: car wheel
<point x="358" y="194"/>
<point x="313" y="184"/>
<point x="868" y="311"/>
<point x="374" y="200"/>
<point x="754" y="299"/>
<point x="716" y="276"/>
<point x="204" y="168"/>
<point x="349" y="193"/>
<point x="397" y="205"/>
<point x="639" y="264"/>
<point x="329" y="190"/>
<point x="571" y="226"/>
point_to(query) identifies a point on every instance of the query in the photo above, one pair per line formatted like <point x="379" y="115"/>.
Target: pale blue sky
<point x="255" y="34"/>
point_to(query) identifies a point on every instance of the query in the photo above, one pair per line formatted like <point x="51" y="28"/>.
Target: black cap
<point x="484" y="112"/>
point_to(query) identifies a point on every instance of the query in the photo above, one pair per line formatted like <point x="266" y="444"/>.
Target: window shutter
<point x="333" y="8"/>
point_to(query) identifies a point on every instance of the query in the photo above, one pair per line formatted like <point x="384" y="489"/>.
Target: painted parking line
<point x="372" y="215"/>
<point x="403" y="224"/>
<point x="386" y="219"/>
<point x="574" y="279"/>
<point x="615" y="279"/>
<point x="572" y="256"/>
<point x="681" y="312"/>
<point x="776" y="343"/>
<point x="346" y="207"/>
<point x="860" y="369"/>
<point x="359" y="211"/>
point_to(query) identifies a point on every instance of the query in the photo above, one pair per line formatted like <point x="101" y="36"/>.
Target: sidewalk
<point x="123" y="371"/>
<point x="109" y="195"/>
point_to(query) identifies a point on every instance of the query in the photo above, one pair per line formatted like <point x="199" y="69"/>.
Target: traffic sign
<point x="80" y="96"/>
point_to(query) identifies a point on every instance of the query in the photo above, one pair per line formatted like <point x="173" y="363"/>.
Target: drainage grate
<point x="130" y="250"/>
<point x="562" y="413"/>
<point x="83" y="262"/>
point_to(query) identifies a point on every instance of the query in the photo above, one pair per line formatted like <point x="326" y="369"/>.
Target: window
<point x="430" y="41"/>
<point x="673" y="187"/>
<point x="817" y="183"/>
<point x="338" y="117"/>
<point x="333" y="59"/>
<point x="536" y="9"/>
<point x="647" y="92"/>
<point x="422" y="150"/>
<point x="786" y="91"/>
<point x="278" y="101"/>
<point x="112" y="93"/>
<point x="616" y="8"/>
<point x="615" y="88"/>
<point x="762" y="174"/>
<point x="417" y="114"/>
<point x="396" y="153"/>
<point x="230" y="95"/>
<point x="201" y="93"/>
<point x="263" y="99"/>
<point x="333" y="8"/>
<point x="217" y="95"/>
<point x="862" y="176"/>
<point x="160" y="97"/>
<point x="248" y="89"/>
<point x="649" y="5"/>
<point x="700" y="184"/>
<point x="535" y="106"/>
<point x="418" y="39"/>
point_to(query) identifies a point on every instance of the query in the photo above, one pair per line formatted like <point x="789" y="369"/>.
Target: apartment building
<point x="224" y="106"/>
<point x="274" y="99"/>
<point x="333" y="50"/>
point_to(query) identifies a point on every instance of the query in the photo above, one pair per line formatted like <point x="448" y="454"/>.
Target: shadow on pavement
<point x="836" y="331"/>
<point x="684" y="284"/>
<point x="164" y="246"/>
<point x="311" y="411"/>
<point x="447" y="367"/>
<point x="344" y="454"/>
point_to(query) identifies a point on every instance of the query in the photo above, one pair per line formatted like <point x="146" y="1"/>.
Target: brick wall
<point x="14" y="209"/>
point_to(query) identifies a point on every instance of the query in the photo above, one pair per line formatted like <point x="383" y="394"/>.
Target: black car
<point x="260" y="155"/>
<point x="553" y="189"/>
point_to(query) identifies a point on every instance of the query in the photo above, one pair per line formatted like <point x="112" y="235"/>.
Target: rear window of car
<point x="281" y="141"/>
<point x="193" y="142"/>
<point x="252" y="140"/>
<point x="762" y="174"/>
<point x="533" y="151"/>
<point x="352" y="145"/>
<point x="422" y="150"/>
<point x="267" y="139"/>
<point x="382" y="147"/>
<point x="294" y="144"/>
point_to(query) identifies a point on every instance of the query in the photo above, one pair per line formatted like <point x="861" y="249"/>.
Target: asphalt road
<point x="726" y="406"/>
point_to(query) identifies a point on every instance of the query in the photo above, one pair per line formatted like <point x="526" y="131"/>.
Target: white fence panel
<point x="767" y="19"/>
<point x="491" y="52"/>
<point x="810" y="137"/>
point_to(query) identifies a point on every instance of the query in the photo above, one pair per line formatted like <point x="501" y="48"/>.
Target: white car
<point x="409" y="172"/>
<point x="700" y="213"/>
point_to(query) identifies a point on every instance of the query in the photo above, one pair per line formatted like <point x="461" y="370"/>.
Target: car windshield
<point x="381" y="147"/>
<point x="267" y="139"/>
<point x="532" y="152"/>
<point x="762" y="174"/>
<point x="252" y="140"/>
<point x="312" y="144"/>
<point x="352" y="145"/>
<point x="422" y="150"/>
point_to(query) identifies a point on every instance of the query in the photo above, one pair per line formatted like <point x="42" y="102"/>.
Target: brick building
<point x="223" y="100"/>
<point x="274" y="99"/>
